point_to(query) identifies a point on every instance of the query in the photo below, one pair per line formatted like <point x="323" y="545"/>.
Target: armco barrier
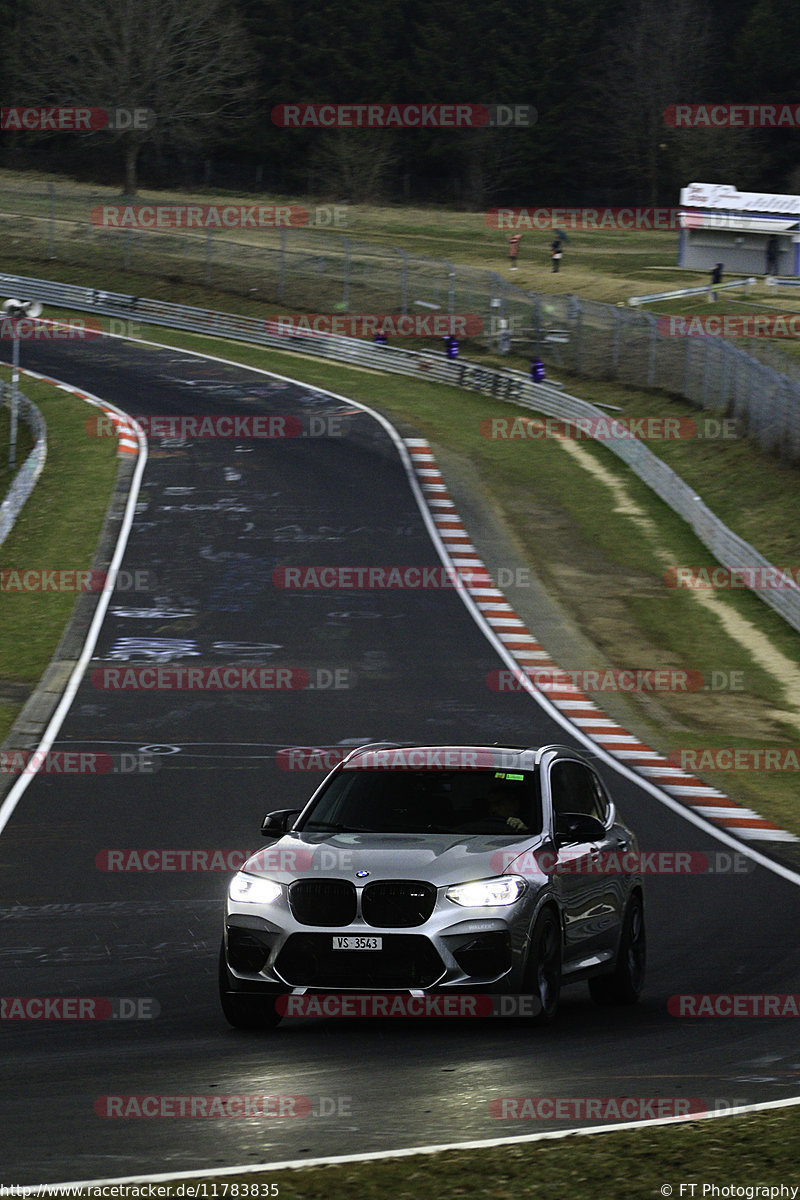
<point x="25" y="479"/>
<point x="707" y="289"/>
<point x="314" y="267"/>
<point x="511" y="386"/>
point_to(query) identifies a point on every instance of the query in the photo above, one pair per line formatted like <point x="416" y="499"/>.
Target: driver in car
<point x="504" y="803"/>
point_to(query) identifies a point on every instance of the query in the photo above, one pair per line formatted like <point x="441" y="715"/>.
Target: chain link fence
<point x="602" y="341"/>
<point x="319" y="270"/>
<point x="513" y="386"/>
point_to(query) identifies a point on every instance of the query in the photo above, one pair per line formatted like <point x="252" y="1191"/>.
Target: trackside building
<point x="751" y="233"/>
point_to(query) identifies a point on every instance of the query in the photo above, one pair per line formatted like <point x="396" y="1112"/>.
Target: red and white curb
<point x="127" y="440"/>
<point x="573" y="705"/>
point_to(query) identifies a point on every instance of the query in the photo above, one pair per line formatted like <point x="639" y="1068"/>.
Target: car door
<point x="583" y="837"/>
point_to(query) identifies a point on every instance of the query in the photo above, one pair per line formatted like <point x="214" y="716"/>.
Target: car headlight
<point x="251" y="889"/>
<point x="488" y="893"/>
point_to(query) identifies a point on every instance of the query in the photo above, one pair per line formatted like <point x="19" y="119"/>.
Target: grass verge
<point x="58" y="528"/>
<point x="747" y="1152"/>
<point x="606" y="561"/>
<point x="562" y="518"/>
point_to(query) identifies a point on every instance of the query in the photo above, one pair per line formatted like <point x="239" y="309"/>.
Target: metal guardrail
<point x="27" y="476"/>
<point x="309" y="268"/>
<point x="635" y="301"/>
<point x="727" y="547"/>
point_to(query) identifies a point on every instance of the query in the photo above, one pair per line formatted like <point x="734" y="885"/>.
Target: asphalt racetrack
<point x="217" y="517"/>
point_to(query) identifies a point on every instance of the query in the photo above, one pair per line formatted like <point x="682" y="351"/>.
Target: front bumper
<point x="477" y="952"/>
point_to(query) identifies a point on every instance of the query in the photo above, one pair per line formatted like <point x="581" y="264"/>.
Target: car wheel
<point x="245" y="1010"/>
<point x="624" y="985"/>
<point x="543" y="971"/>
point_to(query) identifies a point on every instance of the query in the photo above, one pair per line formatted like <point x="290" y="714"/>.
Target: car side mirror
<point x="276" y="823"/>
<point x="578" y="827"/>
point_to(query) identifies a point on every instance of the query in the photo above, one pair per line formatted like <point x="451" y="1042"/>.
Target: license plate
<point x="357" y="943"/>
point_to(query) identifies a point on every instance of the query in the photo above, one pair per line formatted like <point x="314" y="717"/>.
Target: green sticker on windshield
<point x="508" y="775"/>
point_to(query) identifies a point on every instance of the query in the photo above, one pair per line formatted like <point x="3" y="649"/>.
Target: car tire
<point x="542" y="976"/>
<point x="625" y="983"/>
<point x="245" y="1010"/>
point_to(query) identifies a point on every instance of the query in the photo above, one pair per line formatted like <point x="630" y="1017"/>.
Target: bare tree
<point x="658" y="55"/>
<point x="187" y="61"/>
<point x="356" y="162"/>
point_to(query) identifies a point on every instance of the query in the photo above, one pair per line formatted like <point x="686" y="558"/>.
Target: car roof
<point x="473" y="756"/>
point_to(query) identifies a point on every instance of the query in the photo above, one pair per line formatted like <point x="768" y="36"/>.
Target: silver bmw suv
<point x="439" y="869"/>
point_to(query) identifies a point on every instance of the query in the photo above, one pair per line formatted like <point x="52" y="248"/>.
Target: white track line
<point x="615" y="761"/>
<point x="603" y="729"/>
<point x="48" y="737"/>
<point x="297" y="1164"/>
<point x="645" y="784"/>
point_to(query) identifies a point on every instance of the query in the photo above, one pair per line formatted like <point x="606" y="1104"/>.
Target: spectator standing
<point x="513" y="247"/>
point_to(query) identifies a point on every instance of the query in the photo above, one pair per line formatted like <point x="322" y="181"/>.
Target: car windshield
<point x="501" y="803"/>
